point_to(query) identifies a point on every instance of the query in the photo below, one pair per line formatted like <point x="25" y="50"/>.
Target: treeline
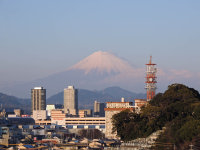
<point x="177" y="109"/>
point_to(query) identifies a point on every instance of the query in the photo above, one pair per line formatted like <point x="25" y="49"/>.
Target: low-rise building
<point x="85" y="121"/>
<point x="85" y="113"/>
<point x="58" y="117"/>
<point x="4" y="136"/>
<point x="39" y="114"/>
<point x="139" y="103"/>
<point x="111" y="109"/>
<point x="49" y="108"/>
<point x="18" y="112"/>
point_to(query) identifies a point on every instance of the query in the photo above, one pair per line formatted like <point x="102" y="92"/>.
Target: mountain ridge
<point x="8" y="101"/>
<point x="87" y="97"/>
<point x="102" y="62"/>
<point x="97" y="71"/>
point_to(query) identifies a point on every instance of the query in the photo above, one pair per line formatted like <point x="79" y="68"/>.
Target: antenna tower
<point x="150" y="79"/>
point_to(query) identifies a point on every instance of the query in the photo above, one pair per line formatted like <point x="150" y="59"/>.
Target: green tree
<point x="178" y="109"/>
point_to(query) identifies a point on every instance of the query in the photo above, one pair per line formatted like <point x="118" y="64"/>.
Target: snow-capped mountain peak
<point x="102" y="62"/>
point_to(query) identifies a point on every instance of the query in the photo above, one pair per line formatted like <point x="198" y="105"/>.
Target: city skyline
<point x="42" y="38"/>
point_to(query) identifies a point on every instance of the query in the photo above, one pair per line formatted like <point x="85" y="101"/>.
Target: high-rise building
<point x="71" y="101"/>
<point x="38" y="97"/>
<point x="99" y="109"/>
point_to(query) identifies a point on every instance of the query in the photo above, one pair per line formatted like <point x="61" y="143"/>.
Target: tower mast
<point x="150" y="79"/>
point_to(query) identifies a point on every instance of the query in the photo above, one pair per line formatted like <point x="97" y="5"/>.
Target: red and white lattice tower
<point x="150" y="79"/>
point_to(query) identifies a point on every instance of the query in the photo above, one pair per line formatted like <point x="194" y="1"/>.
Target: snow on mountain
<point x="103" y="62"/>
<point x="101" y="70"/>
<point x="97" y="71"/>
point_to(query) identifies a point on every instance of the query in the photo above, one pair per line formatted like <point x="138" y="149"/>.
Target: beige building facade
<point x="139" y="103"/>
<point x="85" y="113"/>
<point x="71" y="100"/>
<point x="85" y="121"/>
<point x="39" y="114"/>
<point x="58" y="117"/>
<point x="111" y="109"/>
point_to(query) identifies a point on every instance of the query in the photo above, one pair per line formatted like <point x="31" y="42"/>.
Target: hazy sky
<point x="41" y="37"/>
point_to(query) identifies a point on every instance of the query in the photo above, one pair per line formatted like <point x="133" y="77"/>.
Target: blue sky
<point x="38" y="38"/>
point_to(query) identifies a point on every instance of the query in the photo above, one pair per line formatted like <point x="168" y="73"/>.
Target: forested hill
<point x="177" y="109"/>
<point x="12" y="102"/>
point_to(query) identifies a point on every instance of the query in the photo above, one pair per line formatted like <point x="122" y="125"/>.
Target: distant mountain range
<point x="86" y="98"/>
<point x="97" y="71"/>
<point x="12" y="102"/>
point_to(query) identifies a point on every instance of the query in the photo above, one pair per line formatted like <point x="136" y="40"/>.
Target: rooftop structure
<point x="38" y="88"/>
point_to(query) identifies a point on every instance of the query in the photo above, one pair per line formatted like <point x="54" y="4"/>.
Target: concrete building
<point x="85" y="121"/>
<point x="85" y="113"/>
<point x="18" y="112"/>
<point x="140" y="103"/>
<point x="57" y="117"/>
<point x="4" y="136"/>
<point x="12" y="116"/>
<point x="111" y="109"/>
<point x="99" y="109"/>
<point x="49" y="108"/>
<point x="39" y="114"/>
<point x="20" y="121"/>
<point x="71" y="101"/>
<point x="38" y="97"/>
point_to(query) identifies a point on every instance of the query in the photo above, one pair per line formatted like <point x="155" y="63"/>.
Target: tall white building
<point x="71" y="100"/>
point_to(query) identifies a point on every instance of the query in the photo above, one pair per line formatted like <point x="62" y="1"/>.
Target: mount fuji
<point x="97" y="71"/>
<point x="102" y="63"/>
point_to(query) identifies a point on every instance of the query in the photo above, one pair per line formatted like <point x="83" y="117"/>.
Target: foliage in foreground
<point x="178" y="109"/>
